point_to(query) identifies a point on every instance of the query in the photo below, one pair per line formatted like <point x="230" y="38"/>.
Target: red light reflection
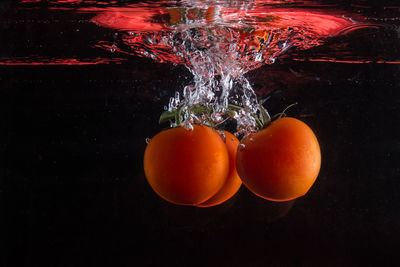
<point x="269" y="27"/>
<point x="139" y="19"/>
<point x="40" y="61"/>
<point x="259" y="29"/>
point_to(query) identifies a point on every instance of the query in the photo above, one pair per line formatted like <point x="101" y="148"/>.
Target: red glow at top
<point x="267" y="27"/>
<point x="319" y="23"/>
<point x="127" y="19"/>
<point x="147" y="18"/>
<point x="261" y="30"/>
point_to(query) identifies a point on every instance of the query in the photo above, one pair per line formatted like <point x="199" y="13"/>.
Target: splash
<point x="218" y="43"/>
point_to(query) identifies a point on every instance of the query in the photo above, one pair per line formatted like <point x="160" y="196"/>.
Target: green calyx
<point x="177" y="114"/>
<point x="204" y="115"/>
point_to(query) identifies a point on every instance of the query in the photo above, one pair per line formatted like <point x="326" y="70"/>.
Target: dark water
<point x="74" y="119"/>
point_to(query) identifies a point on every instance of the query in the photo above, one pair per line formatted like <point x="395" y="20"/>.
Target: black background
<point x="73" y="192"/>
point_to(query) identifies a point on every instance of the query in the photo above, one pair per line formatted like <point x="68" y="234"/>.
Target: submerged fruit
<point x="280" y="162"/>
<point x="233" y="182"/>
<point x="186" y="167"/>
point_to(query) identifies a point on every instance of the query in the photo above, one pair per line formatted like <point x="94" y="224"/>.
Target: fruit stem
<point x="166" y="116"/>
<point x="261" y="117"/>
<point x="179" y="115"/>
<point x="259" y="122"/>
<point x="231" y="106"/>
<point x="283" y="113"/>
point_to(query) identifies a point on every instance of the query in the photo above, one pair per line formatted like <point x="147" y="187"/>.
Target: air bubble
<point x="113" y="48"/>
<point x="241" y="147"/>
<point x="223" y="135"/>
<point x="188" y="126"/>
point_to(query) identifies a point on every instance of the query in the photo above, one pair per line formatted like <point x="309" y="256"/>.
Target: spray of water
<point x="218" y="43"/>
<point x="218" y="62"/>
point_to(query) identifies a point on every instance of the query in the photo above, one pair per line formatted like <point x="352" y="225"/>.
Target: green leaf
<point x="167" y="116"/>
<point x="283" y="113"/>
<point x="231" y="106"/>
<point x="230" y="113"/>
<point x="259" y="123"/>
<point x="264" y="114"/>
<point x="198" y="110"/>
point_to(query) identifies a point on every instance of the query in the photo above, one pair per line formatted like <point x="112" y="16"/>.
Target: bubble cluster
<point x="218" y="43"/>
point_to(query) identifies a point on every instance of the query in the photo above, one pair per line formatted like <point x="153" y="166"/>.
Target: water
<point x="218" y="42"/>
<point x="75" y="116"/>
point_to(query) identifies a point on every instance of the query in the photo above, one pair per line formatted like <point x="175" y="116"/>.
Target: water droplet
<point x="113" y="48"/>
<point x="223" y="135"/>
<point x="148" y="140"/>
<point x="241" y="147"/>
<point x="188" y="126"/>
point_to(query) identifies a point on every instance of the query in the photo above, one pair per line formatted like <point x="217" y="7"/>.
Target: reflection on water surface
<point x="262" y="29"/>
<point x="218" y="41"/>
